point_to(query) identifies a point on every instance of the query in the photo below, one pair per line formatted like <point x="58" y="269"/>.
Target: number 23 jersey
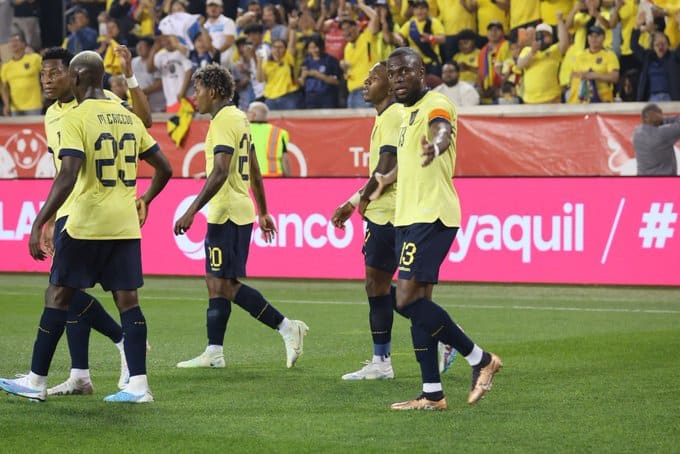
<point x="110" y="140"/>
<point x="229" y="132"/>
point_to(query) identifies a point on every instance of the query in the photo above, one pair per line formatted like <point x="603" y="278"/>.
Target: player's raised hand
<point x="341" y="214"/>
<point x="47" y="238"/>
<point x="125" y="57"/>
<point x="142" y="210"/>
<point x="267" y="226"/>
<point x="34" y="244"/>
<point x="184" y="223"/>
<point x="429" y="151"/>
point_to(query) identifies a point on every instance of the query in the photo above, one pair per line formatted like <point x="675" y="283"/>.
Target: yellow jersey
<point x="524" y="12"/>
<point x="453" y="16"/>
<point x="23" y="77"/>
<point x="361" y="55"/>
<point x="672" y="29"/>
<point x="280" y="76"/>
<point x="425" y="194"/>
<point x="437" y="29"/>
<point x="540" y="80"/>
<point x="229" y="132"/>
<point x="471" y="59"/>
<point x="488" y="11"/>
<point x="110" y="140"/>
<point x="628" y="16"/>
<point x="384" y="140"/>
<point x="604" y="61"/>
<point x="550" y="8"/>
<point x="581" y="33"/>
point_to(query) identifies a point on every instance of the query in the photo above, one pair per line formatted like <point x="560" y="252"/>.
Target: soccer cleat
<point x="293" y="341"/>
<point x="447" y="355"/>
<point x="482" y="378"/>
<point x="205" y="359"/>
<point x="371" y="371"/>
<point x="22" y="386"/>
<point x="126" y="397"/>
<point x="72" y="386"/>
<point x="421" y="403"/>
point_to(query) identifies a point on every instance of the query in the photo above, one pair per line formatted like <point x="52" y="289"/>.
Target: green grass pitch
<point x="587" y="369"/>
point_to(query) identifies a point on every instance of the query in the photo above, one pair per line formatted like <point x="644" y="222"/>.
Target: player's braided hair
<point x="58" y="53"/>
<point x="218" y="78"/>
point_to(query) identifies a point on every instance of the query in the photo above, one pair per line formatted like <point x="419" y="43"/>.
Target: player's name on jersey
<point x="114" y="119"/>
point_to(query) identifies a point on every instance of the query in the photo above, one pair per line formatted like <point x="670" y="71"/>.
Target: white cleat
<point x="205" y="359"/>
<point x="372" y="371"/>
<point x="24" y="387"/>
<point x="294" y="340"/>
<point x="72" y="387"/>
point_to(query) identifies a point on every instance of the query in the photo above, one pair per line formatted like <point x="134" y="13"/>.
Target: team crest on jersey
<point x="414" y="114"/>
<point x="599" y="60"/>
<point x="26" y="66"/>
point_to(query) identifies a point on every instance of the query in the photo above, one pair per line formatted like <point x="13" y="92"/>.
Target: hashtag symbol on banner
<point x="657" y="225"/>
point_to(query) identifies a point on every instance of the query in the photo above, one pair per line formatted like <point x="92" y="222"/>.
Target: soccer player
<point x="378" y="250"/>
<point x="100" y="143"/>
<point x="85" y="312"/>
<point x="231" y="167"/>
<point x="427" y="218"/>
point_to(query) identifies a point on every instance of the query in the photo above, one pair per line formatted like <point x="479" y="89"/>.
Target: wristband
<point x="355" y="199"/>
<point x="132" y="82"/>
<point x="436" y="149"/>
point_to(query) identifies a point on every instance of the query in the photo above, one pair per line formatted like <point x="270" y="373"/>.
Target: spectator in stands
<point x="540" y="63"/>
<point x="252" y="16"/>
<point x="659" y="78"/>
<point x="255" y="34"/>
<point x="462" y="94"/>
<point x="243" y="67"/>
<point x="203" y="53"/>
<point x="508" y="94"/>
<point x="144" y="14"/>
<point x="221" y="29"/>
<point x="20" y="78"/>
<point x="273" y="24"/>
<point x="359" y="56"/>
<point x="27" y="21"/>
<point x="595" y="71"/>
<point x="281" y="91"/>
<point x="627" y="18"/>
<point x="270" y="142"/>
<point x="523" y="14"/>
<point x="149" y="82"/>
<point x="425" y="34"/>
<point x="107" y="44"/>
<point x="386" y="42"/>
<point x="550" y="8"/>
<point x="467" y="56"/>
<point x="491" y="11"/>
<point x="320" y="76"/>
<point x="174" y="67"/>
<point x="587" y="13"/>
<point x="490" y="63"/>
<point x="455" y="16"/>
<point x="122" y="12"/>
<point x="654" y="143"/>
<point x="334" y="38"/>
<point x="82" y="36"/>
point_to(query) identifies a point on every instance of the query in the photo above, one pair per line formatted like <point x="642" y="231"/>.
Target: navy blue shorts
<point x="226" y="249"/>
<point x="422" y="248"/>
<point x="115" y="264"/>
<point x="379" y="247"/>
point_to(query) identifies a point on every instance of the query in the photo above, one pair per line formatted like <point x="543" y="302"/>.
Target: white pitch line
<point x="613" y="230"/>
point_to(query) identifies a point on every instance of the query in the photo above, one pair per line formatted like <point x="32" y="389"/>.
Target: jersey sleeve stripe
<point x="71" y="152"/>
<point x="439" y="113"/>
<point x="388" y="149"/>
<point x="153" y="149"/>
<point x="223" y="149"/>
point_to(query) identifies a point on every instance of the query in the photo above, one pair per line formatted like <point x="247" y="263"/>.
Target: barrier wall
<point x="544" y="230"/>
<point x="491" y="145"/>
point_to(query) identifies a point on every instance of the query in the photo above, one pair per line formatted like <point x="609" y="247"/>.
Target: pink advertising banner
<point x="545" y="230"/>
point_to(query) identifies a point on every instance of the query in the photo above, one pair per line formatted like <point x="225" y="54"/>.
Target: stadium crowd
<point x="295" y="54"/>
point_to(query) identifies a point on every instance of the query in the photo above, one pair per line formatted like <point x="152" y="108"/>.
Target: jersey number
<point x="127" y="145"/>
<point x="244" y="144"/>
<point x="408" y="252"/>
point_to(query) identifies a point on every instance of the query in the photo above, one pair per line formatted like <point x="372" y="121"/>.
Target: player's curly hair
<point x="218" y="78"/>
<point x="58" y="53"/>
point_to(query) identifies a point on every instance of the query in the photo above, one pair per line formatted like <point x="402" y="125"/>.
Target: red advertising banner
<point x="568" y="145"/>
<point x="544" y="230"/>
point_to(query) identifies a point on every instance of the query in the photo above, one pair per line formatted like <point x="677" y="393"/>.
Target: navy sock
<point x="254" y="303"/>
<point x="425" y="348"/>
<point x="51" y="328"/>
<point x="434" y="320"/>
<point x="78" y="329"/>
<point x="134" y="329"/>
<point x="217" y="316"/>
<point x="380" y="317"/>
<point x="98" y="318"/>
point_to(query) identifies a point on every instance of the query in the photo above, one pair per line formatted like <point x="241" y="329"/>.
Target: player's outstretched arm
<point x="440" y="131"/>
<point x="212" y="184"/>
<point x="161" y="176"/>
<point x="264" y="219"/>
<point x="61" y="188"/>
<point x="140" y="103"/>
